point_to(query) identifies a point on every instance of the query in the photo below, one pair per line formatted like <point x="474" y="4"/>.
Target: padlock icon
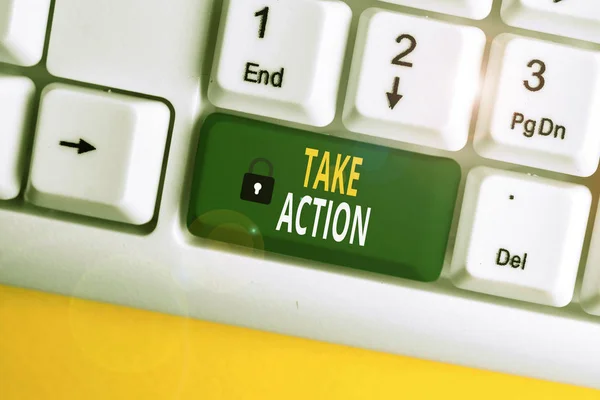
<point x="258" y="188"/>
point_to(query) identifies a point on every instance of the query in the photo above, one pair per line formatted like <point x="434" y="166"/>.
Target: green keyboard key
<point x="322" y="198"/>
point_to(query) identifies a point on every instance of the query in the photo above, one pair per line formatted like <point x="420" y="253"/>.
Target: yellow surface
<point x="54" y="347"/>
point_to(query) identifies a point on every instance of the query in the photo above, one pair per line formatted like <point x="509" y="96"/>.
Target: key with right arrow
<point x="394" y="97"/>
<point x="98" y="153"/>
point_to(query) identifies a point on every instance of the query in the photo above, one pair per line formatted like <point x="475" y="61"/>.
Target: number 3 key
<point x="539" y="106"/>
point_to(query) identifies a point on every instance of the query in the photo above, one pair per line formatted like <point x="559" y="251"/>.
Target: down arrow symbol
<point x="393" y="96"/>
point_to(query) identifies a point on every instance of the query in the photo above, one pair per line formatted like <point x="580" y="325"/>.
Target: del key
<point x="520" y="236"/>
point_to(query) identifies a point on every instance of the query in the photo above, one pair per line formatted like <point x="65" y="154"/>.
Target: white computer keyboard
<point x="411" y="176"/>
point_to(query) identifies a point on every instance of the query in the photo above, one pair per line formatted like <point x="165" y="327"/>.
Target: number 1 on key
<point x="264" y="16"/>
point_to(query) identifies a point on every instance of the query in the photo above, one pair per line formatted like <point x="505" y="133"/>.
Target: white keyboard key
<point x="578" y="19"/>
<point x="98" y="154"/>
<point x="520" y="236"/>
<point x="590" y="290"/>
<point x="16" y="99"/>
<point x="281" y="58"/>
<point x="23" y="30"/>
<point x="146" y="46"/>
<point x="474" y="9"/>
<point x="406" y="84"/>
<point x="540" y="106"/>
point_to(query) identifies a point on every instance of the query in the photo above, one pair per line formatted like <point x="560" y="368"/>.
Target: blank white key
<point x="578" y="19"/>
<point x="540" y="106"/>
<point x="474" y="9"/>
<point x="408" y="85"/>
<point x="590" y="290"/>
<point x="281" y="58"/>
<point x="16" y="99"/>
<point x="98" y="154"/>
<point x="520" y="236"/>
<point x="22" y="30"/>
<point x="144" y="46"/>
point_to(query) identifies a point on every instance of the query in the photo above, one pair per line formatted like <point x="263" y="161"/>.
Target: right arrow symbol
<point x="393" y="96"/>
<point x="82" y="147"/>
